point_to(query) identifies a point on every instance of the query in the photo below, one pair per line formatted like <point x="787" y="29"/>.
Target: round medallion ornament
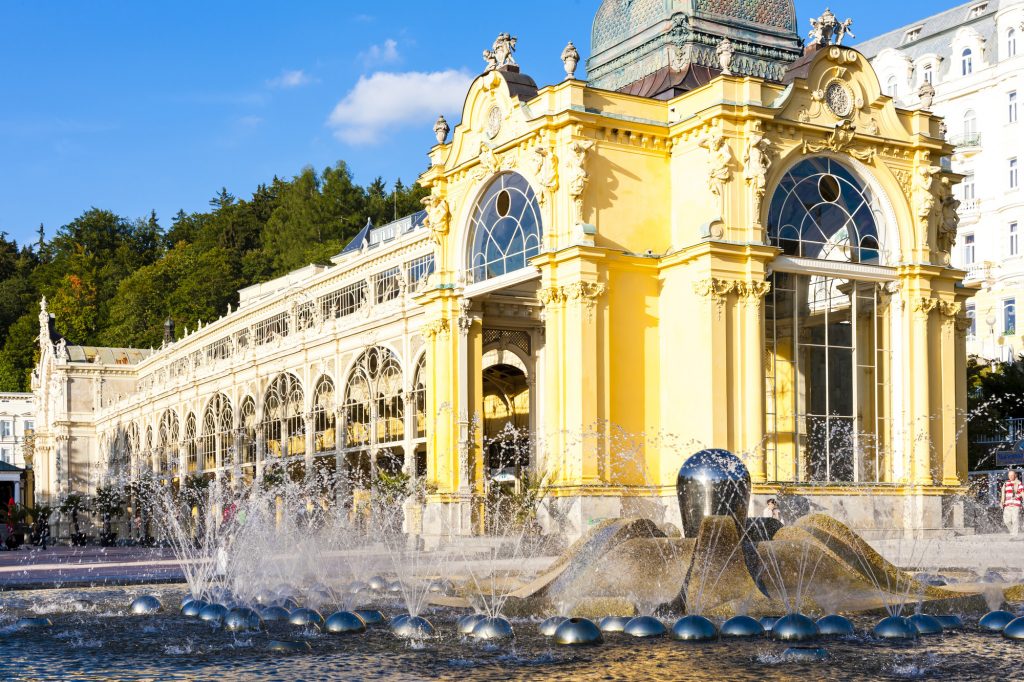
<point x="493" y="122"/>
<point x="839" y="99"/>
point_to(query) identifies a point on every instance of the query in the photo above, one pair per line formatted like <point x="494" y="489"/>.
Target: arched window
<point x="827" y="400"/>
<point x="374" y="406"/>
<point x="218" y="422"/>
<point x="1011" y="43"/>
<point x="820" y="210"/>
<point x="247" y="426"/>
<point x="147" y="449"/>
<point x="506" y="228"/>
<point x="325" y="436"/>
<point x="208" y="441"/>
<point x="419" y="392"/>
<point x="133" y="449"/>
<point x="191" y="446"/>
<point x="966" y="62"/>
<point x="167" y="443"/>
<point x="284" y="428"/>
<point x="970" y="126"/>
<point x="927" y="73"/>
<point x="891" y="87"/>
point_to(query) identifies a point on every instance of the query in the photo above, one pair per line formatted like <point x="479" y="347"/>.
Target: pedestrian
<point x="772" y="511"/>
<point x="1013" y="497"/>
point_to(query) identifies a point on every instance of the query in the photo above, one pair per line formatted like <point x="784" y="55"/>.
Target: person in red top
<point x="1013" y="496"/>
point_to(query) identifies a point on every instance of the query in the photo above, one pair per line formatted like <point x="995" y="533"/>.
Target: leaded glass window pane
<point x="506" y="228"/>
<point x="820" y="210"/>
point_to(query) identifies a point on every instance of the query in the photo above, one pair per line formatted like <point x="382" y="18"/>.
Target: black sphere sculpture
<point x="712" y="483"/>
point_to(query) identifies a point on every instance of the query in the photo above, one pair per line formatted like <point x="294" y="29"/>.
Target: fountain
<point x="577" y="631"/>
<point x="146" y="605"/>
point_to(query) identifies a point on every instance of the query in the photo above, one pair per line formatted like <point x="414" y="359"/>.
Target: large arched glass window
<point x="325" y="438"/>
<point x="827" y="349"/>
<point x="820" y="210"/>
<point x="284" y="427"/>
<point x="966" y="62"/>
<point x="167" y="443"/>
<point x="506" y="228"/>
<point x="419" y="393"/>
<point x="218" y="434"/>
<point x="247" y="431"/>
<point x="191" y="451"/>
<point x="208" y="441"/>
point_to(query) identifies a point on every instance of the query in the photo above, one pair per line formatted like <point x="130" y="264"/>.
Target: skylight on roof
<point x="977" y="10"/>
<point x="912" y="35"/>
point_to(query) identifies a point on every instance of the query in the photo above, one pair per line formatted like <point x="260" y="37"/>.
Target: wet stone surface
<point x="93" y="637"/>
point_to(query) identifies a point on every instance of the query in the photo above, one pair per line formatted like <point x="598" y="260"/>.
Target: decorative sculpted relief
<point x="949" y="217"/>
<point x="438" y="215"/>
<point x="437" y="329"/>
<point x="827" y="29"/>
<point x="840" y="141"/>
<point x="720" y="159"/>
<point x="576" y="174"/>
<point x="839" y="99"/>
<point x="584" y="294"/>
<point x="501" y="52"/>
<point x="757" y="162"/>
<point x="544" y="164"/>
<point x="925" y="198"/>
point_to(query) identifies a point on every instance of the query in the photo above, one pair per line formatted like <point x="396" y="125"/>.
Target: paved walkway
<point x="86" y="566"/>
<point x="998" y="552"/>
<point x="93" y="566"/>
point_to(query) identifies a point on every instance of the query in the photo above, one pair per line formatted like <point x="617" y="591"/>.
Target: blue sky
<point x="132" y="106"/>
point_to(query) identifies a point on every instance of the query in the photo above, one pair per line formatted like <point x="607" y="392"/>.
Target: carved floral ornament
<point x="583" y="294"/>
<point x="715" y="290"/>
<point x="435" y="329"/>
<point x="840" y="141"/>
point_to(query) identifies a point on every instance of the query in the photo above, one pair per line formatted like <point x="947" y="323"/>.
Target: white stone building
<point x="967" y="64"/>
<point x="17" y="417"/>
<point x="320" y="351"/>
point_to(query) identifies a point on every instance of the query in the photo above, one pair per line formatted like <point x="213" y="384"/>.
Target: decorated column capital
<point x="923" y="306"/>
<point x="950" y="311"/>
<point x="438" y="329"/>
<point x="714" y="289"/>
<point x="751" y="293"/>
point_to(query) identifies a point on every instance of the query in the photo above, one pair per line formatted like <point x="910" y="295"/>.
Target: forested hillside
<point x="112" y="280"/>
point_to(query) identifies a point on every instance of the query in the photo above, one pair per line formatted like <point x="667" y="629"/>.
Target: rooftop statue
<point x="827" y="29"/>
<point x="501" y="52"/>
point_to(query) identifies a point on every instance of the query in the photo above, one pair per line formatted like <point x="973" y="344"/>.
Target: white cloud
<point x="379" y="55"/>
<point x="388" y="101"/>
<point x="290" y="79"/>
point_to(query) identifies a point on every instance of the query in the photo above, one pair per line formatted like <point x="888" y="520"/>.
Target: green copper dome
<point x="633" y="40"/>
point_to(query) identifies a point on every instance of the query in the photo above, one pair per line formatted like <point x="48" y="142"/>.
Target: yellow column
<point x="576" y="324"/>
<point x="752" y="407"/>
<point x="920" y="368"/>
<point x="948" y="368"/>
<point x="712" y="362"/>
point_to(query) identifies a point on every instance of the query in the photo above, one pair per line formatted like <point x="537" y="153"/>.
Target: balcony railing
<point x="970" y="206"/>
<point x="1010" y="431"/>
<point x="966" y="141"/>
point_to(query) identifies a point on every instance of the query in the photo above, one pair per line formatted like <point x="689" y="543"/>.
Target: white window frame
<point x="1014" y="238"/>
<point x="1011" y="105"/>
<point x="1014" y="176"/>
<point x="969" y="246"/>
<point x="967" y="62"/>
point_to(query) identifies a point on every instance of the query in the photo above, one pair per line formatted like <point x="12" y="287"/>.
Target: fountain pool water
<point x="286" y="559"/>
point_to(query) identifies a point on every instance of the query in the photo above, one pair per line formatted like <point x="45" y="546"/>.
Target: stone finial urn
<point x="712" y="483"/>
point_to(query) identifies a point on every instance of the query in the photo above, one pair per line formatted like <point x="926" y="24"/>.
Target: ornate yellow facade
<point x="649" y="287"/>
<point x="737" y="247"/>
